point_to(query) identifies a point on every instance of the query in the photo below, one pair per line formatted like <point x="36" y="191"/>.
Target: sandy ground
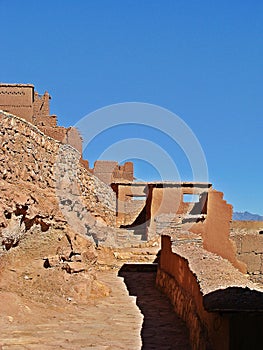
<point x="48" y="308"/>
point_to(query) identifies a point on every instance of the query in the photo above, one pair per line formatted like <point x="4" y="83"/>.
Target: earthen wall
<point x="180" y="284"/>
<point x="22" y="101"/>
<point x="248" y="238"/>
<point x="215" y="229"/>
<point x="17" y="99"/>
<point x="41" y="110"/>
<point x="110" y="171"/>
<point x="30" y="159"/>
<point x="221" y="306"/>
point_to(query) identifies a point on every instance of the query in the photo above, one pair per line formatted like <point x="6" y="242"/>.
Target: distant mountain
<point x="246" y="216"/>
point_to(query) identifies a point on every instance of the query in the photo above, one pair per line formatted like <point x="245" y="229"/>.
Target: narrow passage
<point x="162" y="329"/>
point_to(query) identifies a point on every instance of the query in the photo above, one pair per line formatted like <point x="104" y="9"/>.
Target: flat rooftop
<point x="164" y="184"/>
<point x="16" y="85"/>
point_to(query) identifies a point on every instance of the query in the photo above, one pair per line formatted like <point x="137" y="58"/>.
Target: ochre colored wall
<point x="164" y="201"/>
<point x="41" y="110"/>
<point x="17" y="99"/>
<point x="216" y="229"/>
<point x="74" y="139"/>
<point x="221" y="306"/>
<point x="110" y="171"/>
<point x="178" y="282"/>
<point x="127" y="208"/>
<point x="123" y="172"/>
<point x="104" y="170"/>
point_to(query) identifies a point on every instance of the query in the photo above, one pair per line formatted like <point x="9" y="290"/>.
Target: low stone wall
<point x="250" y="251"/>
<point x="31" y="168"/>
<point x="249" y="243"/>
<point x="202" y="287"/>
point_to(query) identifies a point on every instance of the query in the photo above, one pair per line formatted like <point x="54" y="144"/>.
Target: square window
<point x="190" y="198"/>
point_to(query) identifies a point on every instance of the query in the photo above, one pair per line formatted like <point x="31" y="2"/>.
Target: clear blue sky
<point x="202" y="60"/>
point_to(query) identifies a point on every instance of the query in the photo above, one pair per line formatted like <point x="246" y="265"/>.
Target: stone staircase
<point x="177" y="227"/>
<point x="130" y="246"/>
<point x="128" y="238"/>
<point x="168" y="223"/>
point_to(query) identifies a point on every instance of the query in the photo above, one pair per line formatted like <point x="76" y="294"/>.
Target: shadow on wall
<point x="162" y="329"/>
<point x="243" y="307"/>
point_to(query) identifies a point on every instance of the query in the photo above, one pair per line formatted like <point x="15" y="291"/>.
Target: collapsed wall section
<point x="215" y="229"/>
<point x="28" y="176"/>
<point x="110" y="171"/>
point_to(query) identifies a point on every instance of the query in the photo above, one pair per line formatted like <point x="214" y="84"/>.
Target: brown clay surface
<point x="245" y="226"/>
<point x="212" y="271"/>
<point x="118" y="321"/>
<point x="48" y="308"/>
<point x="112" y="322"/>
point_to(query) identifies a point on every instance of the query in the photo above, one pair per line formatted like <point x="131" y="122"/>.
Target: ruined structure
<point x="163" y="208"/>
<point x="23" y="101"/>
<point x="46" y="184"/>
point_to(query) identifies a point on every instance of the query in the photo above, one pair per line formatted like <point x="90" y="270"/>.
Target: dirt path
<point x="135" y="316"/>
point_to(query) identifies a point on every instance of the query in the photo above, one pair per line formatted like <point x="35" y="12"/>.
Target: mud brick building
<point x="203" y="267"/>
